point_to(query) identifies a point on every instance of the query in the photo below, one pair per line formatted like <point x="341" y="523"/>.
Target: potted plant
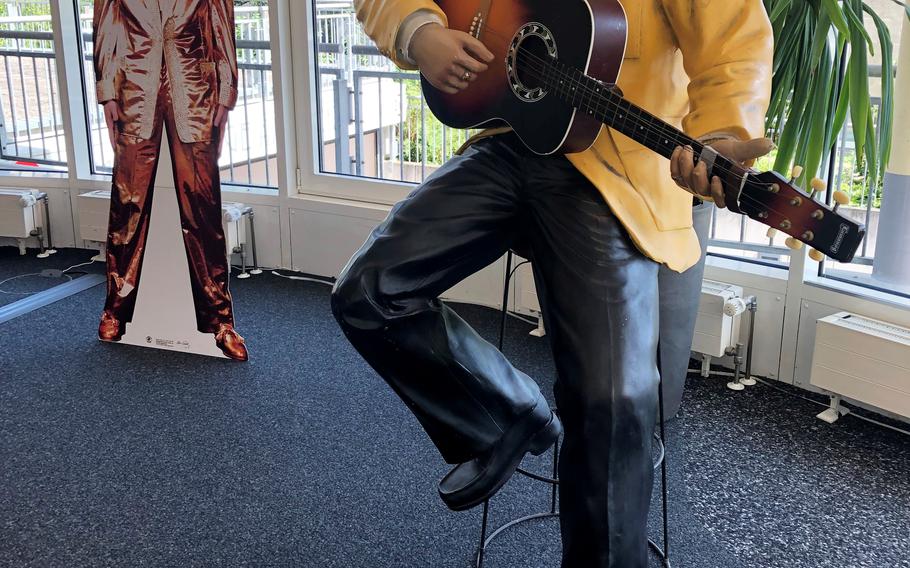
<point x="821" y="74"/>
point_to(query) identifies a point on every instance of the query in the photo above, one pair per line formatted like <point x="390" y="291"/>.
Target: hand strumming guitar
<point x="449" y="59"/>
<point x="694" y="177"/>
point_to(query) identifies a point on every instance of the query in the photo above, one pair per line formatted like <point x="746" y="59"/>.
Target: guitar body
<point x="588" y="35"/>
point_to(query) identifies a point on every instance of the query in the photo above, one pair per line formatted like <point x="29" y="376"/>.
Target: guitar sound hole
<point x="530" y="58"/>
<point x="531" y="51"/>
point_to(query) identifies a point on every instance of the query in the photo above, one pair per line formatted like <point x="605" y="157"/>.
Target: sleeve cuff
<point x="105" y="91"/>
<point x="227" y="92"/>
<point x="707" y="139"/>
<point x="409" y="27"/>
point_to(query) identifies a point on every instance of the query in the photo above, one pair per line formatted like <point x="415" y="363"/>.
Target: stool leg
<point x="483" y="533"/>
<point x="505" y="299"/>
<point x="663" y="473"/>
<point x="553" y="490"/>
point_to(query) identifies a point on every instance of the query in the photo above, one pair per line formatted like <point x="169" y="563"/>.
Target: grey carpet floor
<point x="20" y="275"/>
<point x="119" y="456"/>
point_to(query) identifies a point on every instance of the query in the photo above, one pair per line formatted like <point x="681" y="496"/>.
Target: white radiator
<point x="94" y="211"/>
<point x="717" y="324"/>
<point x="863" y="359"/>
<point x="234" y="226"/>
<point x="20" y="213"/>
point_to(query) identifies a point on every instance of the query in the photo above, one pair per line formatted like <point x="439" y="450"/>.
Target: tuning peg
<point x="818" y="186"/>
<point x="816" y="255"/>
<point x="772" y="232"/>
<point x="793" y="244"/>
<point x="795" y="173"/>
<point x="840" y="198"/>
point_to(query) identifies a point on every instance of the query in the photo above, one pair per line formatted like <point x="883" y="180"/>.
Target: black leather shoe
<point x="471" y="483"/>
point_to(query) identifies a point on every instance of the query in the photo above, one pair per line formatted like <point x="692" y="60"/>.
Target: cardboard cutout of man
<point x="167" y="65"/>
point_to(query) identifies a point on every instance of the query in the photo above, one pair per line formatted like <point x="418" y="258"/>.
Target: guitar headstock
<point x="777" y="202"/>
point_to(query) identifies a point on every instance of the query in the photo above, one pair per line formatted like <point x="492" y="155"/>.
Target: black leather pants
<point x="599" y="299"/>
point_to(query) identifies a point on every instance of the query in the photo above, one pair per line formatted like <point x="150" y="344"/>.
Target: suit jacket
<point x="702" y="65"/>
<point x="194" y="39"/>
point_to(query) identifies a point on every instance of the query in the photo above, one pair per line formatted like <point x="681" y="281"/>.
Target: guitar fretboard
<point x="605" y="104"/>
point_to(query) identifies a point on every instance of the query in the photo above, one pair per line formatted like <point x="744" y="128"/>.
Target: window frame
<point x="311" y="180"/>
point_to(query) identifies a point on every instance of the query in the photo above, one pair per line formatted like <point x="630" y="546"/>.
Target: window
<point x="250" y="149"/>
<point x="249" y="156"/>
<point x="849" y="177"/>
<point x="31" y="131"/>
<point x="372" y="118"/>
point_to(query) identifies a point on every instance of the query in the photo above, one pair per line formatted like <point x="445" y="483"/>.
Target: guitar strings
<point x="661" y="130"/>
<point x="546" y="67"/>
<point x="717" y="168"/>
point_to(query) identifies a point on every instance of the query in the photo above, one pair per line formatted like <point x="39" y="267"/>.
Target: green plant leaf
<point x="836" y="16"/>
<point x="871" y="154"/>
<point x="886" y="109"/>
<point x="778" y="9"/>
<point x="858" y="69"/>
<point x="853" y="9"/>
<point x="811" y="100"/>
<point x="840" y="111"/>
<point x="817" y="119"/>
<point x="793" y="126"/>
<point x="820" y="41"/>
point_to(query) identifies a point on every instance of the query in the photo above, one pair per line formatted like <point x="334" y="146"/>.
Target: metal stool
<point x="663" y="553"/>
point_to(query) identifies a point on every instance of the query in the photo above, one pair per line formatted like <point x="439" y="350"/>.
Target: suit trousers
<point x="680" y="294"/>
<point x="598" y="295"/>
<point x="195" y="167"/>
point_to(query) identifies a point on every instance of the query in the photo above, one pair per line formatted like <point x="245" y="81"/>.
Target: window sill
<point x="370" y="191"/>
<point x="820" y="283"/>
<point x="28" y="174"/>
<point x="755" y="275"/>
<point x="227" y="188"/>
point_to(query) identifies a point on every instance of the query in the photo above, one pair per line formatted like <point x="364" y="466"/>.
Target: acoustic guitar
<point x="554" y="82"/>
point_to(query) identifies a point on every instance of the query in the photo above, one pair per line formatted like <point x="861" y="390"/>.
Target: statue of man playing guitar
<point x="597" y="224"/>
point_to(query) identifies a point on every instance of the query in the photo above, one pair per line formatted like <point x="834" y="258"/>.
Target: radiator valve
<point x="734" y="307"/>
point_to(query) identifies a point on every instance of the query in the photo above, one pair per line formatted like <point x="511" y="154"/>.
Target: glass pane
<point x="31" y="134"/>
<point x="249" y="156"/>
<point x="250" y="150"/>
<point x="373" y="108"/>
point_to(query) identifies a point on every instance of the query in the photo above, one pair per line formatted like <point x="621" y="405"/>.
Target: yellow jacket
<point x="702" y="65"/>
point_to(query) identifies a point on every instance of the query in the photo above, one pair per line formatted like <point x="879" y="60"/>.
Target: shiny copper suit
<point x="169" y="64"/>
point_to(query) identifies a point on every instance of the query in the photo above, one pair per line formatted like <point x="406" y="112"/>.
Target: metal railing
<point x="376" y="109"/>
<point x="31" y="130"/>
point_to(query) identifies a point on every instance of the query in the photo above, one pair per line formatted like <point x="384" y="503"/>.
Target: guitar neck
<point x="604" y="103"/>
<point x="766" y="197"/>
